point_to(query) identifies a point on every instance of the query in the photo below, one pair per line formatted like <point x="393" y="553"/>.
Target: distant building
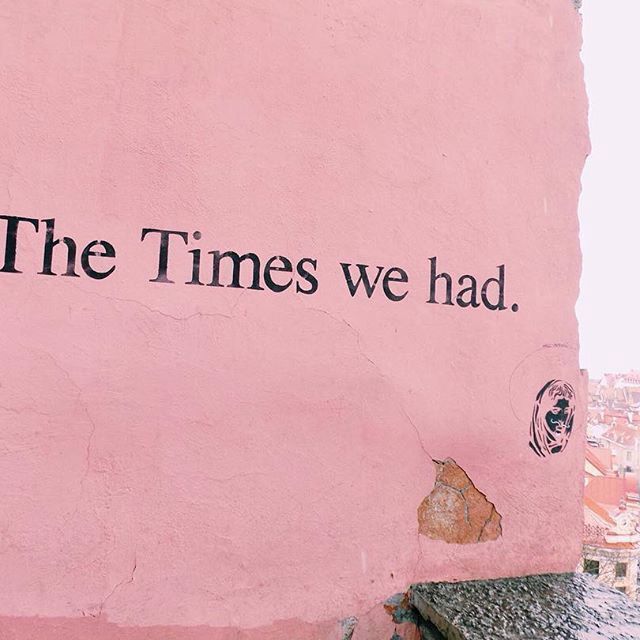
<point x="599" y="462"/>
<point x="624" y="444"/>
<point x="611" y="546"/>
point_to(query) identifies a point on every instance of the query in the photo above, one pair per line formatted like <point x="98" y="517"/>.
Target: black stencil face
<point x="552" y="419"/>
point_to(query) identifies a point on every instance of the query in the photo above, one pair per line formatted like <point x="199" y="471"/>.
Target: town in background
<point x="611" y="495"/>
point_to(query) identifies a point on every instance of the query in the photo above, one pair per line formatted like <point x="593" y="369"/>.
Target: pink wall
<point x="189" y="461"/>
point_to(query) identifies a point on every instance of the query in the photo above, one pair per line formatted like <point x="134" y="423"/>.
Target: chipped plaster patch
<point x="455" y="511"/>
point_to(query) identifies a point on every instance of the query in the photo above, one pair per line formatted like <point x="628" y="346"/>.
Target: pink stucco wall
<point x="212" y="462"/>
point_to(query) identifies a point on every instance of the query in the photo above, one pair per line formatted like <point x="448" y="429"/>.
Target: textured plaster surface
<point x="193" y="462"/>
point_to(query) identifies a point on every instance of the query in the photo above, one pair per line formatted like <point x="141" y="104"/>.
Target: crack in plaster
<point x="20" y="410"/>
<point x="120" y="584"/>
<point x="419" y="553"/>
<point x="354" y="331"/>
<point x="250" y="474"/>
<point x="196" y="314"/>
<point x="85" y="409"/>
<point x="379" y="371"/>
<point x="464" y="525"/>
<point x="79" y="399"/>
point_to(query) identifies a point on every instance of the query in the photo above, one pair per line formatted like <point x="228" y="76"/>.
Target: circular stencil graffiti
<point x="552" y="418"/>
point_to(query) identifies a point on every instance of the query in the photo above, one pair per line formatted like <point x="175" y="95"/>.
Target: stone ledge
<point x="543" y="607"/>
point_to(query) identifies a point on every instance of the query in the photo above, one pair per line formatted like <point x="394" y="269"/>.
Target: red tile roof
<point x="600" y="458"/>
<point x="610" y="491"/>
<point x="621" y="434"/>
<point x="599" y="511"/>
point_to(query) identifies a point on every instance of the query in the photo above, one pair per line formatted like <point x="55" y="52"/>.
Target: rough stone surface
<point x="402" y="612"/>
<point x="552" y="606"/>
<point x="428" y="631"/>
<point x="455" y="511"/>
<point x="348" y="626"/>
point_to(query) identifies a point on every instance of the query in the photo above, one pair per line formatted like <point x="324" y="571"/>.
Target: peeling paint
<point x="455" y="511"/>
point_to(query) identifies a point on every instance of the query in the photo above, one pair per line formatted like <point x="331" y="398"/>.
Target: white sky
<point x="609" y="305"/>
